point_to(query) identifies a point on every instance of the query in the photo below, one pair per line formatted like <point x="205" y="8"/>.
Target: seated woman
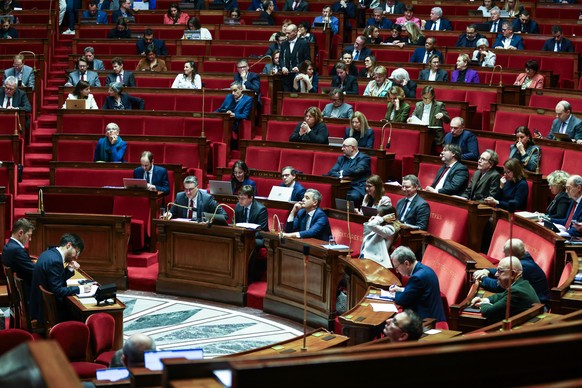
<point x="525" y="150"/>
<point x="117" y="100"/>
<point x="190" y="79"/>
<point x="379" y="233"/>
<point x="151" y="61"/>
<point x="284" y="25"/>
<point x="360" y="130"/>
<point x="432" y="112"/>
<point x="513" y="8"/>
<point x="408" y="17"/>
<point x="369" y="65"/>
<point x="312" y="129"/>
<point x="375" y="193"/>
<point x="120" y="31"/>
<point x="414" y="35"/>
<point x="379" y="86"/>
<point x="558" y="208"/>
<point x="194" y="25"/>
<point x="342" y="80"/>
<point x="275" y="68"/>
<point x="433" y="72"/>
<point x="235" y="15"/>
<point x="487" y="7"/>
<point x="240" y="177"/>
<point x="398" y="109"/>
<point x="110" y="148"/>
<point x="175" y="15"/>
<point x="347" y="59"/>
<point x="400" y="77"/>
<point x="531" y="78"/>
<point x="372" y="34"/>
<point x="463" y="74"/>
<point x="306" y="80"/>
<point x="482" y="55"/>
<point x="304" y="32"/>
<point x="395" y="38"/>
<point x="82" y="92"/>
<point x="513" y="187"/>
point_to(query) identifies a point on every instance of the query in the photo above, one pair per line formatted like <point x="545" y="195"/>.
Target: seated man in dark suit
<point x="391" y="7"/>
<point x="15" y="256"/>
<point x="23" y="73"/>
<point x="155" y="176"/>
<point x="53" y="268"/>
<point x="307" y="220"/>
<point x="507" y="39"/>
<point x="485" y="181"/>
<point x="413" y="210"/>
<point x="359" y="50"/>
<point x="558" y="43"/>
<point x="453" y="177"/>
<point x="465" y="139"/>
<point x="132" y="353"/>
<point x="148" y="38"/>
<point x="124" y="77"/>
<point x="122" y="12"/>
<point x="423" y="54"/>
<point x="565" y="122"/>
<point x="378" y="20"/>
<point x="83" y="74"/>
<point x="13" y="98"/>
<point x="248" y="80"/>
<point x="495" y="22"/>
<point x="436" y="22"/>
<point x="354" y="165"/>
<point x="524" y="24"/>
<point x="296" y="5"/>
<point x="238" y="106"/>
<point x="193" y="202"/>
<point x="422" y="293"/>
<point x="289" y="174"/>
<point x="522" y="293"/>
<point x="469" y="38"/>
<point x="573" y="220"/>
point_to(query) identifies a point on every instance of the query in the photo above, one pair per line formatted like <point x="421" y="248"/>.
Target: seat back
<point x="73" y="337"/>
<point x="448" y="221"/>
<point x="506" y="122"/>
<point x="25" y="322"/>
<point x="101" y="333"/>
<point x="49" y="308"/>
<point x="351" y="237"/>
<point x="13" y="296"/>
<point x="11" y="338"/>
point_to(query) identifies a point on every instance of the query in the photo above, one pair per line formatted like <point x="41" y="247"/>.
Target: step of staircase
<point x="39" y="147"/>
<point x="38" y="160"/>
<point x="43" y="135"/>
<point x="35" y="173"/>
<point x="46" y="121"/>
<point x="30" y="186"/>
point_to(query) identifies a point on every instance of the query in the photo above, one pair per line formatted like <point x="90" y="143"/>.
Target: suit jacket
<point x="467" y="141"/>
<point x="577" y="217"/>
<point x="159" y="178"/>
<point x="398" y="7"/>
<point x="298" y="191"/>
<point x="257" y="215"/>
<point x="205" y="203"/>
<point x="419" y="53"/>
<point x="105" y="152"/>
<point x="537" y="81"/>
<point x="445" y="25"/>
<point x="319" y="227"/>
<point x="302" y="7"/>
<point x="517" y="191"/>
<point x="349" y="11"/>
<point x="117" y="14"/>
<point x="49" y="272"/>
<point x="97" y="65"/>
<point x="531" y="27"/>
<point x="384" y="24"/>
<point x="100" y="17"/>
<point x="558" y="208"/>
<point x="159" y="44"/>
<point x="531" y="159"/>
<point x="333" y="23"/>
<point x="463" y="41"/>
<point x="422" y="294"/>
<point x="455" y="182"/>
<point x="376" y="241"/>
<point x="19" y="99"/>
<point x="442" y="75"/>
<point x="565" y="45"/>
<point x="228" y="5"/>
<point x="364" y="141"/>
<point x="437" y="107"/>
<point x="241" y="109"/>
<point x="128" y="79"/>
<point x="128" y="102"/>
<point x="418" y="213"/>
<point x="499" y="24"/>
<point x="291" y="59"/>
<point x="574" y="129"/>
<point x="471" y="76"/>
<point x="92" y="78"/>
<point x="17" y="258"/>
<point x="516" y="41"/>
<point x="318" y="135"/>
<point x="350" y="85"/>
<point x="522" y="297"/>
<point x="356" y="168"/>
<point x="345" y="111"/>
<point x="483" y="185"/>
<point x="365" y="52"/>
<point x="253" y="82"/>
<point x="400" y="115"/>
<point x="27" y="75"/>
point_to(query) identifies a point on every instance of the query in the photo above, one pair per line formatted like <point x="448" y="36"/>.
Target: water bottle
<point x="331" y="240"/>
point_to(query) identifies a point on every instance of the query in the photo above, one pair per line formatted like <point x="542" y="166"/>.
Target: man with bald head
<point x="464" y="138"/>
<point x="293" y="52"/>
<point x="566" y="123"/>
<point x="354" y="165"/>
<point x="132" y="354"/>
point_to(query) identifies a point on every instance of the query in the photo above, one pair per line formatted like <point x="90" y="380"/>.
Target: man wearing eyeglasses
<point x="110" y="148"/>
<point x="404" y="326"/>
<point x="485" y="181"/>
<point x="192" y="203"/>
<point x="288" y="174"/>
<point x="337" y="108"/>
<point x="248" y="80"/>
<point x="53" y="268"/>
<point x="23" y="73"/>
<point x="13" y="98"/>
<point x="507" y="39"/>
<point x="522" y="293"/>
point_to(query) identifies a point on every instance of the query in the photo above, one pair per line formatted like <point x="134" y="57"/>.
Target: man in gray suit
<point x="337" y="108"/>
<point x="24" y="74"/>
<point x="485" y="182"/>
<point x="92" y="62"/>
<point x="82" y="73"/>
<point x="566" y="122"/>
<point x="412" y="209"/>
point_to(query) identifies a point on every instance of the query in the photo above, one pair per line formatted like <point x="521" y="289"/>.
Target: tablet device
<point x="133" y="183"/>
<point x="561" y="136"/>
<point x="335" y="141"/>
<point x="342" y="204"/>
<point x="192" y="34"/>
<point x="152" y="358"/>
<point x="369" y="211"/>
<point x="220" y="187"/>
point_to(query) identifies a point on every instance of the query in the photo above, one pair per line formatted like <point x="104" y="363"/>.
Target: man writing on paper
<point x="307" y="220"/>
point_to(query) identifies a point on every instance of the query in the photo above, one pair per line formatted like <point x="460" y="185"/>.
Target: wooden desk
<point x="105" y="237"/>
<point x="202" y="262"/>
<point x="442" y="335"/>
<point x="363" y="273"/>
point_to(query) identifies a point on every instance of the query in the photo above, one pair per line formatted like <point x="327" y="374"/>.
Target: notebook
<point x="132" y="183"/>
<point x="280" y="193"/>
<point x="152" y="358"/>
<point x="220" y="187"/>
<point x="192" y="34"/>
<point x="76" y="104"/>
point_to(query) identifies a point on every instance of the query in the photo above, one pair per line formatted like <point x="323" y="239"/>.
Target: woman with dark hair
<point x="120" y="31"/>
<point x="531" y="78"/>
<point x="117" y="100"/>
<point x="235" y="15"/>
<point x="307" y="79"/>
<point x="190" y="79"/>
<point x="379" y="233"/>
<point x="372" y="34"/>
<point x="240" y="177"/>
<point x="558" y="208"/>
<point x="513" y="187"/>
<point x="348" y="60"/>
<point x="375" y="193"/>
<point x="432" y="112"/>
<point x="395" y="38"/>
<point x="369" y="66"/>
<point x="194" y="25"/>
<point x="433" y="72"/>
<point x="82" y="92"/>
<point x="304" y="32"/>
<point x="175" y="15"/>
<point x="151" y="61"/>
<point x="525" y="149"/>
<point x="398" y="109"/>
<point x="342" y="80"/>
<point x="312" y="129"/>
<point x="360" y="130"/>
<point x="408" y="17"/>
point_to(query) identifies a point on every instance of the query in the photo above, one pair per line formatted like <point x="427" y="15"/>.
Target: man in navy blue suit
<point x="436" y="22"/>
<point x="558" y="43"/>
<point x="53" y="268"/>
<point x="249" y="80"/>
<point x="193" y="202"/>
<point x="155" y="176"/>
<point x="238" y="106"/>
<point x="307" y="220"/>
<point x="453" y="177"/>
<point x="508" y="40"/>
<point x="354" y="165"/>
<point x="413" y="210"/>
<point x="423" y="54"/>
<point x="358" y="50"/>
<point x="465" y="139"/>
<point x="573" y="220"/>
<point x="289" y="175"/>
<point x="379" y="20"/>
<point x="422" y="293"/>
<point x="148" y="39"/>
<point x="15" y="256"/>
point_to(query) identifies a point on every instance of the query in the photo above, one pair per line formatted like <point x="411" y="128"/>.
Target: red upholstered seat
<point x="486" y="143"/>
<point x="11" y="338"/>
<point x="551" y="160"/>
<point x="374" y="111"/>
<point x="164" y="126"/>
<point x="427" y="172"/>
<point x="280" y="130"/>
<point x="296" y="106"/>
<point x="138" y="209"/>
<point x="451" y="94"/>
<point x="336" y="130"/>
<point x="89" y="177"/>
<point x="448" y="222"/>
<point x="135" y="149"/>
<point x="102" y="335"/>
<point x="301" y="160"/>
<point x="543" y="123"/>
<point x="502" y="148"/>
<point x="323" y="162"/>
<point x="506" y="122"/>
<point x="565" y="274"/>
<point x="76" y="150"/>
<point x="339" y="230"/>
<point x="405" y="144"/>
<point x="263" y="158"/>
<point x="572" y="161"/>
<point x="282" y="214"/>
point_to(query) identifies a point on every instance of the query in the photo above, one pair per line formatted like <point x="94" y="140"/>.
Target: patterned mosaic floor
<point x="176" y="324"/>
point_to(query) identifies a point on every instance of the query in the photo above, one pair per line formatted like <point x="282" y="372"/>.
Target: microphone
<point x="281" y="236"/>
<point x="202" y="130"/>
<point x="389" y="135"/>
<point x="500" y="75"/>
<point x="221" y="205"/>
<point x="261" y="59"/>
<point x="41" y="202"/>
<point x="172" y="204"/>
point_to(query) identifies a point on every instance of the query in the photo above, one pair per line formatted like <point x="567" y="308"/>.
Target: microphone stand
<point x="172" y="204"/>
<point x="41" y="202"/>
<point x="305" y="261"/>
<point x="220" y="206"/>
<point x="500" y="75"/>
<point x="281" y="237"/>
<point x="261" y="59"/>
<point x="389" y="135"/>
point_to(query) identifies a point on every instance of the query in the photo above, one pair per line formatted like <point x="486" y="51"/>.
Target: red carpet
<point x="256" y="294"/>
<point x="143" y="278"/>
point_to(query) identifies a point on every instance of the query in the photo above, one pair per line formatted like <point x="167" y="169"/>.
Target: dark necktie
<point x="571" y="215"/>
<point x="9" y="103"/>
<point x="190" y="208"/>
<point x="246" y="214"/>
<point x="405" y="210"/>
<point x="442" y="176"/>
<point x="147" y="177"/>
<point x="357" y="56"/>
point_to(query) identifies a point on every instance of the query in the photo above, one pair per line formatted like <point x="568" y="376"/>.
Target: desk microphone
<point x="41" y="202"/>
<point x="389" y="135"/>
<point x="281" y="236"/>
<point x="220" y="205"/>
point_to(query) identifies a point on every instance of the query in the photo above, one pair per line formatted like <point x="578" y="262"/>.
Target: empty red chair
<point x="102" y="336"/>
<point x="11" y="338"/>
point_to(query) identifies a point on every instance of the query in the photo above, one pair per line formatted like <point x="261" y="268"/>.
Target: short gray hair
<point x="117" y="87"/>
<point x="517" y="246"/>
<point x="413" y="179"/>
<point x="191" y="179"/>
<point x="89" y="49"/>
<point x="11" y="80"/>
<point x="402" y="254"/>
<point x="482" y="42"/>
<point x="437" y="10"/>
<point x="316" y="195"/>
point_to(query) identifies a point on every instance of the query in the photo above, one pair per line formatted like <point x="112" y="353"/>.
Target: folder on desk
<point x="89" y="294"/>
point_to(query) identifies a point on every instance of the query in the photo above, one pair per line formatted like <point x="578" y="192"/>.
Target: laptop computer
<point x="280" y="193"/>
<point x="335" y="141"/>
<point x="112" y="374"/>
<point x="217" y="219"/>
<point x="475" y="12"/>
<point x="76" y="104"/>
<point x="260" y="22"/>
<point x="133" y="183"/>
<point x="342" y="204"/>
<point x="231" y="21"/>
<point x="152" y="358"/>
<point x="483" y="27"/>
<point x="561" y="136"/>
<point x="88" y="20"/>
<point x="192" y="34"/>
<point x="220" y="187"/>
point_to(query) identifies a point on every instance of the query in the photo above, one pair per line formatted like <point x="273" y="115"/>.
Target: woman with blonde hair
<point x="398" y="109"/>
<point x="415" y="36"/>
<point x="558" y="208"/>
<point x="360" y="130"/>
